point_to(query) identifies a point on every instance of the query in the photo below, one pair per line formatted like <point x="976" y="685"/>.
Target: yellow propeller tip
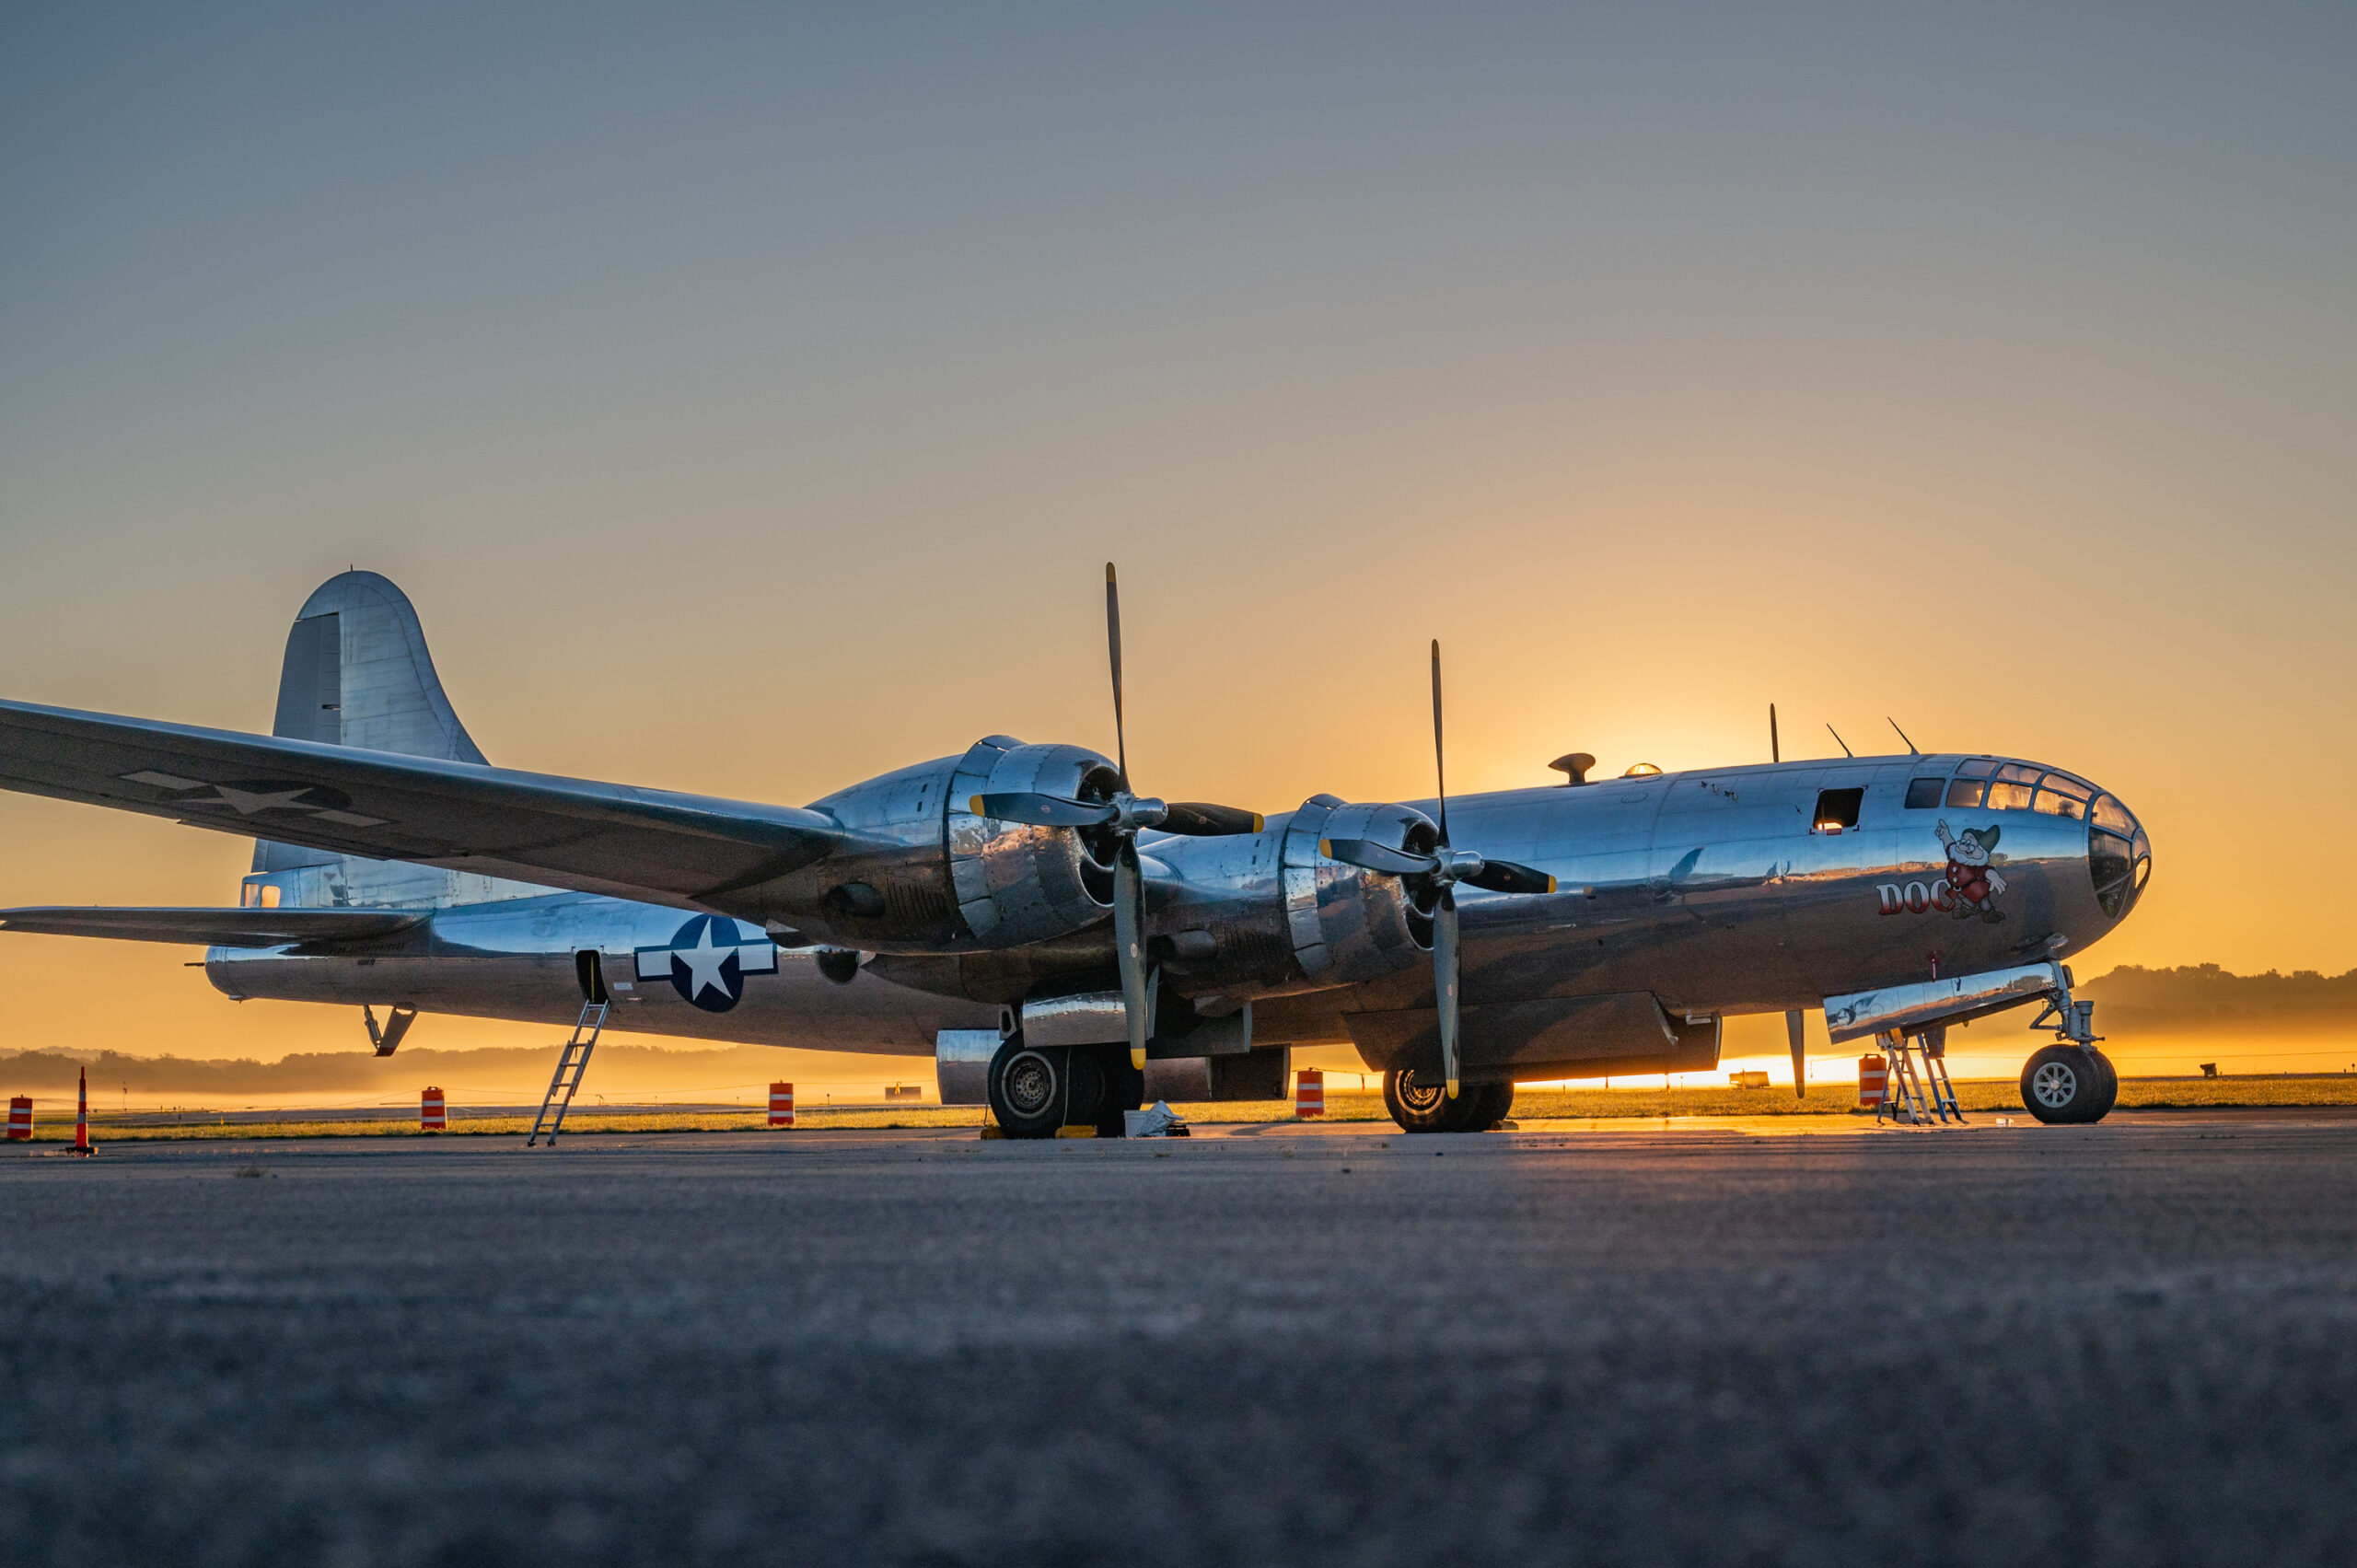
<point x="1108" y="571"/>
<point x="1452" y="1089"/>
<point x="975" y="805"/>
<point x="1325" y="848"/>
<point x="1258" y="821"/>
<point x="1550" y="884"/>
<point x="1137" y="1058"/>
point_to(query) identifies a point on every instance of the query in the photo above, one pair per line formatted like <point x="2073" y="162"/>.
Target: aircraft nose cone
<point x="2120" y="855"/>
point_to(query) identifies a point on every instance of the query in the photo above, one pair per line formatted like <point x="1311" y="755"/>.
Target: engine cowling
<point x="940" y="879"/>
<point x="1267" y="913"/>
<point x="1348" y="924"/>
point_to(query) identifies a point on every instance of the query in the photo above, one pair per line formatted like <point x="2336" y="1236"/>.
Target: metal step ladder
<point x="571" y="1063"/>
<point x="1919" y="1091"/>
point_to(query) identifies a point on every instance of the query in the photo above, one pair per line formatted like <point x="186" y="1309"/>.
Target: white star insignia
<point x="248" y="802"/>
<point x="704" y="961"/>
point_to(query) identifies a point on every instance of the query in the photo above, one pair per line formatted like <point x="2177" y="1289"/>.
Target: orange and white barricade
<point x="1309" y="1093"/>
<point x="1874" y="1082"/>
<point x="20" y="1119"/>
<point x="82" y="1117"/>
<point x="781" y="1105"/>
<point x="430" y="1117"/>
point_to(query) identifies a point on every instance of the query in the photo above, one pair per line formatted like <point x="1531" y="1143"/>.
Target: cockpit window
<point x="2009" y="797"/>
<point x="2055" y="805"/>
<point x="1964" y="794"/>
<point x="2122" y="861"/>
<point x="1978" y="767"/>
<point x="1923" y="794"/>
<point x="2019" y="772"/>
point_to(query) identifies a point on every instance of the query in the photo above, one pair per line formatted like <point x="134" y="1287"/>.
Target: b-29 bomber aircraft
<point x="1064" y="945"/>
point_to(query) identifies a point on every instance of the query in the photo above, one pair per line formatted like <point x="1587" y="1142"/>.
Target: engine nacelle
<point x="1267" y="913"/>
<point x="944" y="880"/>
<point x="1349" y="925"/>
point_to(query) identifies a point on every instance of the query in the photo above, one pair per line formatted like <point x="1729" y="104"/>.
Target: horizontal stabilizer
<point x="212" y="927"/>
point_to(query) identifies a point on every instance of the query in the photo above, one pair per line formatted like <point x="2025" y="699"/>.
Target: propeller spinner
<point x="1124" y="817"/>
<point x="1441" y="871"/>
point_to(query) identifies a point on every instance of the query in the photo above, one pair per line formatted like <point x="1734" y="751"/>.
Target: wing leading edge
<point x="656" y="846"/>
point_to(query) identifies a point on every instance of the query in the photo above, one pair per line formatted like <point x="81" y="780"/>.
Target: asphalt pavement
<point x="2128" y="1344"/>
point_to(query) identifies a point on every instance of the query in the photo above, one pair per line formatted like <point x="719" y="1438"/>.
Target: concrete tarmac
<point x="2130" y="1344"/>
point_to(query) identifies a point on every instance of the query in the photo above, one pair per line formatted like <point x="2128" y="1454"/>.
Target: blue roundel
<point x="707" y="960"/>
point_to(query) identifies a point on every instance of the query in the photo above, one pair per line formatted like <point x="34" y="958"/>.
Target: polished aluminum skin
<point x="887" y="912"/>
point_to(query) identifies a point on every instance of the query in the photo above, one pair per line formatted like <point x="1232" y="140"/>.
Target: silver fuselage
<point x="1715" y="892"/>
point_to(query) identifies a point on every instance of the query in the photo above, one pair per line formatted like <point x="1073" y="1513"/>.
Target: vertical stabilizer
<point x="358" y="673"/>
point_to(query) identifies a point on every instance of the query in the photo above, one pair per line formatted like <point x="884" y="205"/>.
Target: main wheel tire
<point x="1124" y="1089"/>
<point x="2062" y="1086"/>
<point x="1420" y="1104"/>
<point x="1501" y="1104"/>
<point x="1031" y="1088"/>
<point x="1490" y="1104"/>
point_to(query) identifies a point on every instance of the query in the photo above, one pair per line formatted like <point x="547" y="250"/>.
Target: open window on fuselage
<point x="1837" y="809"/>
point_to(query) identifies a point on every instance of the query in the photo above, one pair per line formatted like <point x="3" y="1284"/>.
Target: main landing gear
<point x="1036" y="1091"/>
<point x="1419" y="1101"/>
<point x="2069" y="1081"/>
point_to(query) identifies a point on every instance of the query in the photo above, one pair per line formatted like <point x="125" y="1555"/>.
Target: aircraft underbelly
<point x="797" y="1007"/>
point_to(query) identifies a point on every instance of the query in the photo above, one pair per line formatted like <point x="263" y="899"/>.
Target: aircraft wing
<point x="653" y="845"/>
<point x="213" y="927"/>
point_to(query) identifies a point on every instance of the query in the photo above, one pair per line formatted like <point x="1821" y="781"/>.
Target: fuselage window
<point x="1924" y="793"/>
<point x="2009" y="797"/>
<point x="1837" y="809"/>
<point x="1964" y="794"/>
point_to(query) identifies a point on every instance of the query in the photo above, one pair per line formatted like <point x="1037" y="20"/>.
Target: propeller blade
<point x="1445" y="982"/>
<point x="1440" y="760"/>
<point x="1369" y="855"/>
<point x="1114" y="646"/>
<point x="1128" y="946"/>
<point x="1505" y="876"/>
<point x="1043" y="810"/>
<point x="1800" y="1054"/>
<point x="1198" y="820"/>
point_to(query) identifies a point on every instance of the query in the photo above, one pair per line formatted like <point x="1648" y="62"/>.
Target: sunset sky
<point x="749" y="403"/>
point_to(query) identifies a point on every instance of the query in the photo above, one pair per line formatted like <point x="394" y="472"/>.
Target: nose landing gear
<point x="2069" y="1083"/>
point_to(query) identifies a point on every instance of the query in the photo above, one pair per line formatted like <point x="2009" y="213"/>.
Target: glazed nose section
<point x="2120" y="855"/>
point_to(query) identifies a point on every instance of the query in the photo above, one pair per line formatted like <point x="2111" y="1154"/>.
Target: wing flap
<point x="212" y="927"/>
<point x="656" y="846"/>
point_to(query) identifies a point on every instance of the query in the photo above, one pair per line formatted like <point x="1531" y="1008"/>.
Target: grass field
<point x="1986" y="1095"/>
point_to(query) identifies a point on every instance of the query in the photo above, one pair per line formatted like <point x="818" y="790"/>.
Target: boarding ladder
<point x="571" y="1063"/>
<point x="1919" y="1091"/>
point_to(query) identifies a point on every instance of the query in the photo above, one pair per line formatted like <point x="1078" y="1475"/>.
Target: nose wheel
<point x="2070" y="1085"/>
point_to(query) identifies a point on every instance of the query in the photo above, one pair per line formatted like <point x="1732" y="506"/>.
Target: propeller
<point x="1124" y="817"/>
<point x="1441" y="871"/>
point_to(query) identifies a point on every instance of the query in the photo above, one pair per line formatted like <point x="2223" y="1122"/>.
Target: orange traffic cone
<point x="82" y="1119"/>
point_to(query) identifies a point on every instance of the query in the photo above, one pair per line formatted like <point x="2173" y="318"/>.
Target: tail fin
<point x="358" y="673"/>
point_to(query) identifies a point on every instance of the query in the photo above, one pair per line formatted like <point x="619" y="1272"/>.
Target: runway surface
<point x="2131" y="1343"/>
